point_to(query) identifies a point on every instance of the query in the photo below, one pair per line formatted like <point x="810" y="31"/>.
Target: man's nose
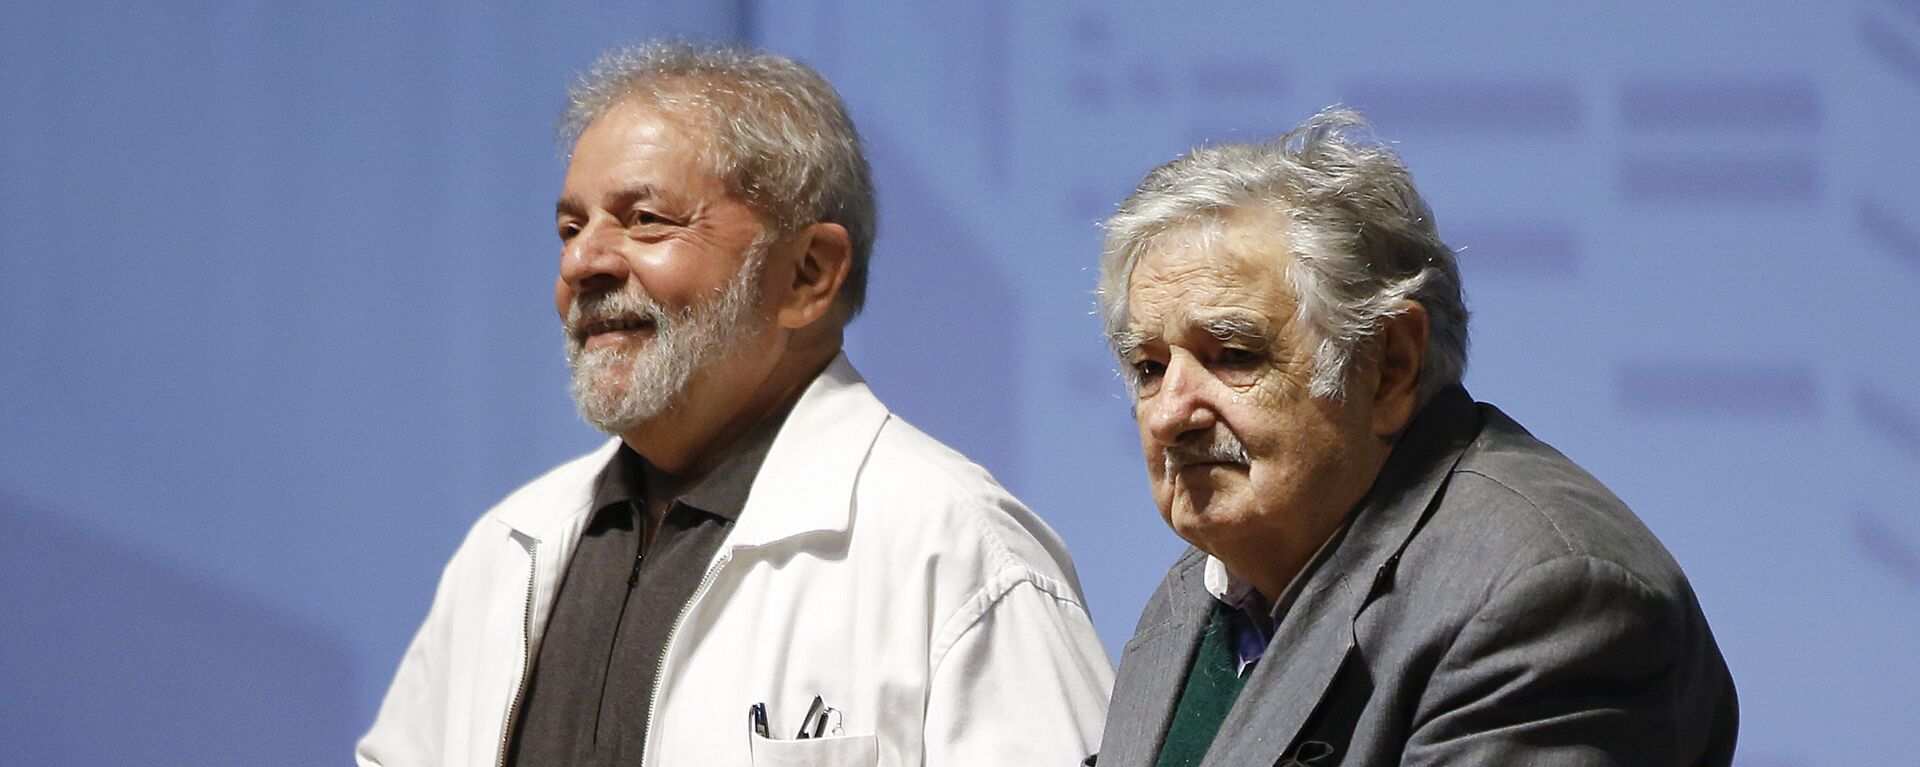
<point x="592" y="261"/>
<point x="1182" y="403"/>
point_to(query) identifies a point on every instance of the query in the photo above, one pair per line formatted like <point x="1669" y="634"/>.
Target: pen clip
<point x="757" y="719"/>
<point x="807" y="728"/>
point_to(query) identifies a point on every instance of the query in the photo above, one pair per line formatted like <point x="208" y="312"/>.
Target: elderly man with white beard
<point x="764" y="566"/>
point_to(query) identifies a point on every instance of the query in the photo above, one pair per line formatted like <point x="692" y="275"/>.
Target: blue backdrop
<point x="275" y="315"/>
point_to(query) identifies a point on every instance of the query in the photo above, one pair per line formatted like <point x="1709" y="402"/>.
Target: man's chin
<point x="614" y="421"/>
<point x="1200" y="530"/>
<point x="608" y="373"/>
<point x="599" y="386"/>
<point x="1188" y="517"/>
<point x="603" y="398"/>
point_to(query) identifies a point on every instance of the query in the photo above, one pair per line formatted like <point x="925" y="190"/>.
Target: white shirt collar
<point x="1227" y="587"/>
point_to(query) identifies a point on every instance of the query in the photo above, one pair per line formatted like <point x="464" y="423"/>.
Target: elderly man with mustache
<point x="764" y="565"/>
<point x="1383" y="571"/>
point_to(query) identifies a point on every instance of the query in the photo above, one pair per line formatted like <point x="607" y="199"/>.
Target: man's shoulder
<point x="1522" y="503"/>
<point x="915" y="487"/>
<point x="1522" y="541"/>
<point x="902" y="454"/>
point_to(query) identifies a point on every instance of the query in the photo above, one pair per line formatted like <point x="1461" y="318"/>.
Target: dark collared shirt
<point x="591" y="688"/>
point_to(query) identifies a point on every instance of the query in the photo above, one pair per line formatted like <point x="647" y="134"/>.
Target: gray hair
<point x="1361" y="240"/>
<point x="778" y="135"/>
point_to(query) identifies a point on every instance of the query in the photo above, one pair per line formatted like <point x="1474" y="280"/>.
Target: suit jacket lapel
<point x="1316" y="635"/>
<point x="1154" y="667"/>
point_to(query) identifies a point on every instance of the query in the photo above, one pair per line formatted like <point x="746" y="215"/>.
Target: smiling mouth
<point x="608" y="326"/>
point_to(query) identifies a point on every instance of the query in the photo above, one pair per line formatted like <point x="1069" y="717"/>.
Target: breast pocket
<point x="837" y="751"/>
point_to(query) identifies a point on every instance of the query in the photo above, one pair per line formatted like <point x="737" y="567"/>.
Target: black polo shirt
<point x="588" y="693"/>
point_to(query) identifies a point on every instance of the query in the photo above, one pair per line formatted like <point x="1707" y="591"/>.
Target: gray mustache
<point x="1216" y="446"/>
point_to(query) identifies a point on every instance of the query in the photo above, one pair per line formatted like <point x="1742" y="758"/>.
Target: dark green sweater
<point x="1213" y="682"/>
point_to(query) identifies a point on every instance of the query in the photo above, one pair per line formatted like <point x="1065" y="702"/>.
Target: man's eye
<point x="1232" y="357"/>
<point x="1147" y="370"/>
<point x="645" y="218"/>
<point x="567" y="230"/>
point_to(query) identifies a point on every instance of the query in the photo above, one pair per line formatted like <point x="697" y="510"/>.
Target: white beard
<point x="619" y="388"/>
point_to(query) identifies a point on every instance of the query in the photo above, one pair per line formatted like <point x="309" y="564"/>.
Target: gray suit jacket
<point x="1490" y="603"/>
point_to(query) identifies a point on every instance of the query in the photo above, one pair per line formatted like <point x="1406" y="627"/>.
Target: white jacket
<point x="871" y="566"/>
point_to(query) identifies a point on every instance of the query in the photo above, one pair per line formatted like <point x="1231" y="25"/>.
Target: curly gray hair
<point x="1361" y="240"/>
<point x="777" y="134"/>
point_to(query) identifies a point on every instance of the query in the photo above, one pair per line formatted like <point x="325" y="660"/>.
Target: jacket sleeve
<point x="410" y="726"/>
<point x="1574" y="662"/>
<point x="1025" y="681"/>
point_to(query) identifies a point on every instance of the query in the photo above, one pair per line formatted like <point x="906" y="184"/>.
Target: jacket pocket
<point x="841" y="751"/>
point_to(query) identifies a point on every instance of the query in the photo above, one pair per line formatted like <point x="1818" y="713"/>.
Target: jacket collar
<point x="559" y="502"/>
<point x="806" y="485"/>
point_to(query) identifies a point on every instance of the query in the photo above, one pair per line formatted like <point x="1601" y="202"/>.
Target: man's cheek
<point x="1163" y="494"/>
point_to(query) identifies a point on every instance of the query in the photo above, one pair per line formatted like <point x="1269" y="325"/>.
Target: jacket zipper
<point x="660" y="673"/>
<point x="526" y="651"/>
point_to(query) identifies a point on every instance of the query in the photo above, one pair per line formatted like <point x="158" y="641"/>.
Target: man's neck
<point x="684" y="444"/>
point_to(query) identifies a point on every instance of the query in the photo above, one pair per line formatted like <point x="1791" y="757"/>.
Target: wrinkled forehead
<point x="1235" y="263"/>
<point x="639" y="149"/>
<point x="1228" y="287"/>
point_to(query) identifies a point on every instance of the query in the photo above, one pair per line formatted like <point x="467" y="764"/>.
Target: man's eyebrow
<point x="1234" y="326"/>
<point x="574" y="206"/>
<point x="1126" y="342"/>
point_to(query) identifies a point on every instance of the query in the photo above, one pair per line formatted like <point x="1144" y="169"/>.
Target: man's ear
<point x="822" y="257"/>
<point x="1403" y="351"/>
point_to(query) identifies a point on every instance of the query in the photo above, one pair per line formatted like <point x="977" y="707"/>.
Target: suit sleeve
<point x="1026" y="682"/>
<point x="1574" y="662"/>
